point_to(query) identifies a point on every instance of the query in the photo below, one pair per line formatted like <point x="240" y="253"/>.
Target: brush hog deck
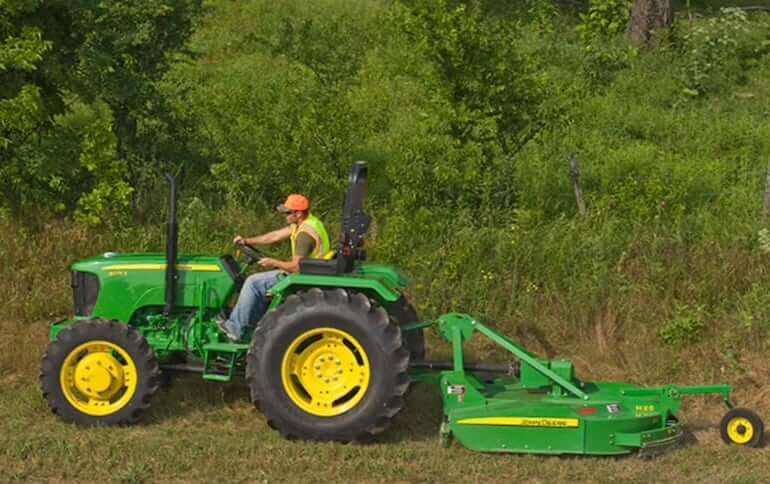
<point x="541" y="407"/>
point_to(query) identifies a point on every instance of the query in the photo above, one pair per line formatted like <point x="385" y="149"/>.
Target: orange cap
<point x="295" y="201"/>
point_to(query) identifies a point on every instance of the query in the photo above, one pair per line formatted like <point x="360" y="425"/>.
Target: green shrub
<point x="717" y="51"/>
<point x="600" y="29"/>
<point x="685" y="327"/>
<point x="109" y="197"/>
<point x="605" y="18"/>
<point x="752" y="309"/>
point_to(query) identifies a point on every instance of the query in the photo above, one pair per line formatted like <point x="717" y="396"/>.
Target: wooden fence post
<point x="766" y="212"/>
<point x="574" y="174"/>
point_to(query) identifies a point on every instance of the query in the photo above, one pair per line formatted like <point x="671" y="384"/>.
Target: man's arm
<point x="305" y="247"/>
<point x="265" y="239"/>
<point x="286" y="266"/>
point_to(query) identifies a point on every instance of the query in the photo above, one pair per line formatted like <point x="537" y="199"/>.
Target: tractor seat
<point x="318" y="266"/>
<point x="329" y="266"/>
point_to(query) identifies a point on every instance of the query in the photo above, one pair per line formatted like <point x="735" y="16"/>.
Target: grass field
<point x="200" y="431"/>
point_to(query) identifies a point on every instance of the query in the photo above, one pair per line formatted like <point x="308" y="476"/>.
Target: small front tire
<point x="99" y="373"/>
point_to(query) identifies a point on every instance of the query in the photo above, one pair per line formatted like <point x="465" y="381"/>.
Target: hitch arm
<point x="676" y="392"/>
<point x="457" y="328"/>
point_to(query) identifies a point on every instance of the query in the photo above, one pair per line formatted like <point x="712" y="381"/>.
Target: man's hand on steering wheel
<point x="251" y="253"/>
<point x="240" y="240"/>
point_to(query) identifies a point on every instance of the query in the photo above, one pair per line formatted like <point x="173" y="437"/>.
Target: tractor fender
<point x="382" y="287"/>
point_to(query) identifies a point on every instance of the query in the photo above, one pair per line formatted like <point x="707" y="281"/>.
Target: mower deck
<point x="509" y="418"/>
<point x="544" y="408"/>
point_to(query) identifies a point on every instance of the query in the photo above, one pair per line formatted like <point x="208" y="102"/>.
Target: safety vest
<point x="313" y="227"/>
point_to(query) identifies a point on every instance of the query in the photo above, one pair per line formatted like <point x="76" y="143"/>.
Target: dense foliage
<point x="81" y="116"/>
<point x="468" y="112"/>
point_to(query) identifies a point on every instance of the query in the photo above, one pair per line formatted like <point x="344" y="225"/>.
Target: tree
<point x="125" y="51"/>
<point x="647" y="16"/>
<point x="27" y="100"/>
<point x="78" y="80"/>
<point x="492" y="88"/>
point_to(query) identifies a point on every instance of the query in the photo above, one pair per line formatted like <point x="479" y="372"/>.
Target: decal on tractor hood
<point x="162" y="267"/>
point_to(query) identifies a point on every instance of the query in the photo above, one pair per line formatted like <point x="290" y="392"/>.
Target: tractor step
<point x="226" y="347"/>
<point x="219" y="360"/>
<point x="223" y="377"/>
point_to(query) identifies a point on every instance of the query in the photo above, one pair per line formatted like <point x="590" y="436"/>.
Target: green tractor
<point x="327" y="362"/>
<point x="335" y="354"/>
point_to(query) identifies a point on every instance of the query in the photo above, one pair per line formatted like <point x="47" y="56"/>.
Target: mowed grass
<point x="200" y="431"/>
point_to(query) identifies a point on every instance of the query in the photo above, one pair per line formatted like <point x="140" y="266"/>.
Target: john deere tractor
<point x="327" y="362"/>
<point x="334" y="355"/>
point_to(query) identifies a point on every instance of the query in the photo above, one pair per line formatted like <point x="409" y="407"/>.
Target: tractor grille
<point x="85" y="289"/>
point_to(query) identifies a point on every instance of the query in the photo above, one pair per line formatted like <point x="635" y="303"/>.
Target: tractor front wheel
<point x="328" y="365"/>
<point x="99" y="373"/>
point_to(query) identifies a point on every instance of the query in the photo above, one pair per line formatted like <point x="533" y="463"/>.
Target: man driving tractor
<point x="308" y="239"/>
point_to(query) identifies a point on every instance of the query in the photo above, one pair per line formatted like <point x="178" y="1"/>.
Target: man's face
<point x="292" y="217"/>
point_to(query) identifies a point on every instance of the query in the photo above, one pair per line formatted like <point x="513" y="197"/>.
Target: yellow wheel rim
<point x="98" y="378"/>
<point x="325" y="372"/>
<point x="740" y="430"/>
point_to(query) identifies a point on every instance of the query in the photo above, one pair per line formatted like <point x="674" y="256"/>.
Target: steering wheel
<point x="250" y="253"/>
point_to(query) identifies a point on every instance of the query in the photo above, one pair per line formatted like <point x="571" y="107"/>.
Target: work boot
<point x="226" y="327"/>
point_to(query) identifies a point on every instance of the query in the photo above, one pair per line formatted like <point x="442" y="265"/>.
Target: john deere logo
<point x="522" y="421"/>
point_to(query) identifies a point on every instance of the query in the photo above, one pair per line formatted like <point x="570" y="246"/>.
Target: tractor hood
<point x="116" y="286"/>
<point x="111" y="261"/>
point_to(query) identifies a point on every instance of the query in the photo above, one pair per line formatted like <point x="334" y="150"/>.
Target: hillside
<point x="468" y="114"/>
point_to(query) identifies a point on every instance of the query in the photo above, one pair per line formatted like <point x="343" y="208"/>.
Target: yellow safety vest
<point x="313" y="227"/>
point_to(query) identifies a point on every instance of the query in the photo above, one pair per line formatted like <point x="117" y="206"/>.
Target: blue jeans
<point x="252" y="301"/>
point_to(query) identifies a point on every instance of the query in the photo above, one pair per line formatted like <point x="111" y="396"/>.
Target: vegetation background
<point x="468" y="113"/>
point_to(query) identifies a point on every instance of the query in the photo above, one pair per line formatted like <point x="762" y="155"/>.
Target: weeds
<point x="685" y="327"/>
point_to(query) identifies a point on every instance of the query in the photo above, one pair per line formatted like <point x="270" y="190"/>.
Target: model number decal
<point x="645" y="408"/>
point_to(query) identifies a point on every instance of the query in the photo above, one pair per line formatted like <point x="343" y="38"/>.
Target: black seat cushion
<point x="317" y="266"/>
<point x="338" y="265"/>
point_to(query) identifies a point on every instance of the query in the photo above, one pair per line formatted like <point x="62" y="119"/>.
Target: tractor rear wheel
<point x="99" y="373"/>
<point x="402" y="312"/>
<point x="328" y="365"/>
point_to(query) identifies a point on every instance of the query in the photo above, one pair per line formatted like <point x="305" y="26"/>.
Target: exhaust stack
<point x="171" y="242"/>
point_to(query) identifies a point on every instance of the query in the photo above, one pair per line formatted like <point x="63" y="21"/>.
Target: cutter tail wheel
<point x="99" y="373"/>
<point x="741" y="426"/>
<point x="328" y="365"/>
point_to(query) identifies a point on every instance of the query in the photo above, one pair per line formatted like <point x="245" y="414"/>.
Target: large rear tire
<point x="99" y="373"/>
<point x="328" y="365"/>
<point x="402" y="312"/>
